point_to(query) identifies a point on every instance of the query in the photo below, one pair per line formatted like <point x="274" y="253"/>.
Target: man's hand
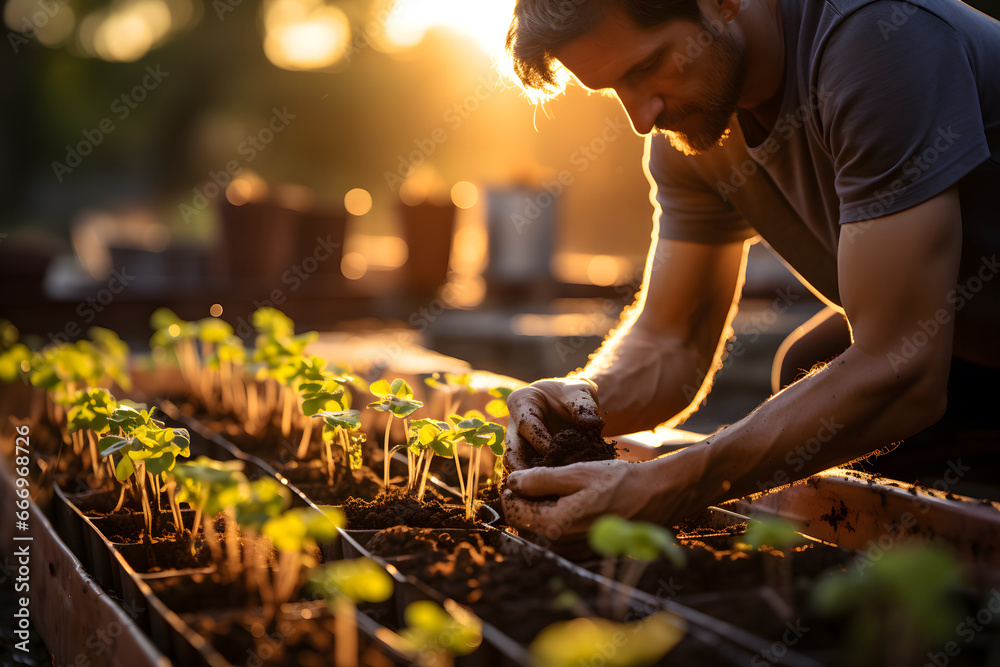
<point x="587" y="491"/>
<point x="543" y="408"/>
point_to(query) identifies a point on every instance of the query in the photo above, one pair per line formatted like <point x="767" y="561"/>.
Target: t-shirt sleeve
<point x="902" y="116"/>
<point x="689" y="208"/>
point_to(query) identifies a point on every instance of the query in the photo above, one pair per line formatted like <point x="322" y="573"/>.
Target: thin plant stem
<point x="305" y="440"/>
<point x="346" y="633"/>
<point x="423" y="478"/>
<point x="388" y="427"/>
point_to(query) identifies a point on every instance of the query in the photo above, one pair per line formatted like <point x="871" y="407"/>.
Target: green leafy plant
<point x="296" y="535"/>
<point x="450" y="385"/>
<point x="344" y="584"/>
<point x="425" y="438"/>
<point x="777" y="539"/>
<point x="172" y="335"/>
<point x="323" y="392"/>
<point x="476" y="433"/>
<point x="279" y="351"/>
<point x="395" y="398"/>
<point x="15" y="357"/>
<point x="88" y="415"/>
<point x="211" y="487"/>
<point x="630" y="546"/>
<point x="900" y="606"/>
<point x="585" y="641"/>
<point x="437" y="634"/>
<point x="146" y="450"/>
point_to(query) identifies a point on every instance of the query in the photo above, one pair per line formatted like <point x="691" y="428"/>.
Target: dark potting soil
<point x="520" y="593"/>
<point x="575" y="446"/>
<point x="311" y="478"/>
<point x="426" y="542"/>
<point x="288" y="642"/>
<point x="396" y="508"/>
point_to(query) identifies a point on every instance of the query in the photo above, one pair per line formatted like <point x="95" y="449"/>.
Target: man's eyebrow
<point x="647" y="59"/>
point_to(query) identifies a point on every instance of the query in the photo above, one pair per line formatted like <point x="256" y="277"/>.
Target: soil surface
<point x="519" y="592"/>
<point x="287" y="642"/>
<point x="396" y="508"/>
<point x="575" y="446"/>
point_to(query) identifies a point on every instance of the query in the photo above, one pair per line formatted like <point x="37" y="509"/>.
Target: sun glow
<point x="484" y="22"/>
<point x="304" y="34"/>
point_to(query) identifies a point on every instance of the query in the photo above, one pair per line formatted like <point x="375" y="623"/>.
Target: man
<point x="860" y="138"/>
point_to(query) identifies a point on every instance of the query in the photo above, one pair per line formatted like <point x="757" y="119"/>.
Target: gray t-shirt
<point x="885" y="104"/>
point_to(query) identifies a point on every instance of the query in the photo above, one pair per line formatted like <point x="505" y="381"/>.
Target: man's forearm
<point x="644" y="379"/>
<point x="842" y="413"/>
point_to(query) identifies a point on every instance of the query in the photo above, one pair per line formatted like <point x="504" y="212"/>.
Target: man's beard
<point x="710" y="118"/>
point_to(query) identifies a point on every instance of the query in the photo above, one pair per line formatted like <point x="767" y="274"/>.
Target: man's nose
<point x="642" y="109"/>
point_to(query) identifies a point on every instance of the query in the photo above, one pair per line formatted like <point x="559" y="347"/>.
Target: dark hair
<point x="541" y="27"/>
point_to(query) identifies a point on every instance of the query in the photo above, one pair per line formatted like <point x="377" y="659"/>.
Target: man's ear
<point x="728" y="9"/>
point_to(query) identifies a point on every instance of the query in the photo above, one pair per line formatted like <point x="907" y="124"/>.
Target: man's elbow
<point x="922" y="395"/>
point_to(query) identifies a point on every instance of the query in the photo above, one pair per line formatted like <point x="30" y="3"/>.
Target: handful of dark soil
<point x="575" y="446"/>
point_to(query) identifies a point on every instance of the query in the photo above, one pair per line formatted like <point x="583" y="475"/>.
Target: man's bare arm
<point x="895" y="272"/>
<point x="649" y="370"/>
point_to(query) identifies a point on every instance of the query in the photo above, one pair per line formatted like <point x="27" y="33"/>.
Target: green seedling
<point x="227" y="360"/>
<point x="15" y="357"/>
<point x="396" y="399"/>
<point x="146" y="449"/>
<point x="476" y="433"/>
<point x="425" y="438"/>
<point x="343" y="428"/>
<point x="87" y="417"/>
<point x="324" y="392"/>
<point x="629" y="547"/>
<point x="112" y="355"/>
<point x="279" y="352"/>
<point x="211" y="487"/>
<point x="172" y="334"/>
<point x="776" y="533"/>
<point x="585" y="641"/>
<point x="344" y="584"/>
<point x="437" y="634"/>
<point x="497" y="407"/>
<point x="451" y="385"/>
<point x="211" y="332"/>
<point x="900" y="606"/>
<point x="296" y="535"/>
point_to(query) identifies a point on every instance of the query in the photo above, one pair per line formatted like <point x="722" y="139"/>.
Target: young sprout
<point x="396" y="399"/>
<point x="900" y="608"/>
<point x="112" y="354"/>
<point x="437" y="634"/>
<point x="477" y="434"/>
<point x="280" y="352"/>
<point x="497" y="407"/>
<point x="343" y="428"/>
<point x="295" y="535"/>
<point x="776" y="533"/>
<point x="345" y="583"/>
<point x="641" y="543"/>
<point x="146" y="448"/>
<point x="211" y="331"/>
<point x="15" y="357"/>
<point x="321" y="391"/>
<point x="450" y="385"/>
<point x="210" y="487"/>
<point x="585" y="641"/>
<point x="171" y="333"/>
<point x="88" y="416"/>
<point x="228" y="360"/>
<point x="425" y="438"/>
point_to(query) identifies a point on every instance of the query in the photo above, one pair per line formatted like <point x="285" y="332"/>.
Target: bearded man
<point x="861" y="140"/>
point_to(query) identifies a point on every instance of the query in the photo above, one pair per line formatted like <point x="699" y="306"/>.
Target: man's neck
<point x="761" y="25"/>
